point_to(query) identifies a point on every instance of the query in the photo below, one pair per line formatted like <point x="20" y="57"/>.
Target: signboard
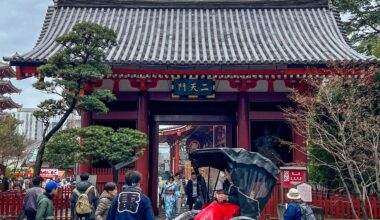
<point x="305" y="191"/>
<point x="23" y="171"/>
<point x="49" y="173"/>
<point x="292" y="176"/>
<point x="193" y="88"/>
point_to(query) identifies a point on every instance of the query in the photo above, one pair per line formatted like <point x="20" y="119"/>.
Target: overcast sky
<point x="20" y="25"/>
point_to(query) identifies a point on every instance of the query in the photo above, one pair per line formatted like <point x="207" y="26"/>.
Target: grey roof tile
<point x="205" y="36"/>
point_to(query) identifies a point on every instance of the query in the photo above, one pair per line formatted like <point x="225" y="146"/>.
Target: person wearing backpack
<point x="131" y="203"/>
<point x="293" y="210"/>
<point x="84" y="199"/>
<point x="296" y="209"/>
<point x="45" y="208"/>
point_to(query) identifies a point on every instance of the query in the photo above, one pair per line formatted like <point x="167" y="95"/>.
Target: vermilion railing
<point x="11" y="204"/>
<point x="336" y="205"/>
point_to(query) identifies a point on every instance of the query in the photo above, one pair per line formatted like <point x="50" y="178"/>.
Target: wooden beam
<point x="28" y="71"/>
<point x="268" y="97"/>
<point x="219" y="97"/>
<point x="265" y="116"/>
<point x="116" y="115"/>
<point x="192" y="119"/>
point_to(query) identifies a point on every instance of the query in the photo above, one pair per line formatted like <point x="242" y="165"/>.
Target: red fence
<point x="11" y="204"/>
<point x="104" y="175"/>
<point x="336" y="206"/>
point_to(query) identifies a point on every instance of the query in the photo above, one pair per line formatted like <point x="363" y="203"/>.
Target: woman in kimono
<point x="170" y="194"/>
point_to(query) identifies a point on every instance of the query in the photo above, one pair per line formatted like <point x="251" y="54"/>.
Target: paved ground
<point x="162" y="215"/>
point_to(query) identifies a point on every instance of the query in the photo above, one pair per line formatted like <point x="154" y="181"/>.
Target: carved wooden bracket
<point x="242" y="84"/>
<point x="144" y="84"/>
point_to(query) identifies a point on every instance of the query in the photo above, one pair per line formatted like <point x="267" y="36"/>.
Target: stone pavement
<point x="161" y="216"/>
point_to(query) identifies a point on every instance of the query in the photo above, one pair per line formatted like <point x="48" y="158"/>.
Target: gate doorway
<point x="173" y="137"/>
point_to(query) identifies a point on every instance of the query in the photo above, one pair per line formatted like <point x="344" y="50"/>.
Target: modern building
<point x="7" y="88"/>
<point x="33" y="129"/>
<point x="219" y="66"/>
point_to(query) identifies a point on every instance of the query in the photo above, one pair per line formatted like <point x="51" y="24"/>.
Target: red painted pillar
<point x="176" y="157"/>
<point x="299" y="156"/>
<point x="243" y="121"/>
<point x="86" y="120"/>
<point x="142" y="164"/>
<point x="171" y="163"/>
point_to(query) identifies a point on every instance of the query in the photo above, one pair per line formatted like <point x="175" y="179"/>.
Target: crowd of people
<point x="21" y="184"/>
<point x="16" y="184"/>
<point x="177" y="192"/>
<point x="131" y="203"/>
<point x="85" y="202"/>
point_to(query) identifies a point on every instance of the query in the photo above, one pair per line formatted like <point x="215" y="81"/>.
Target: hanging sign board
<point x="193" y="88"/>
<point x="49" y="173"/>
<point x="23" y="171"/>
<point x="292" y="176"/>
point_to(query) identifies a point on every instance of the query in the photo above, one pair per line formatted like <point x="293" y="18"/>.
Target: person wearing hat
<point x="45" y="209"/>
<point x="293" y="209"/>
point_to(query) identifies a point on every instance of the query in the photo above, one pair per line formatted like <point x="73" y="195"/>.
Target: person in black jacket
<point x="131" y="203"/>
<point x="192" y="190"/>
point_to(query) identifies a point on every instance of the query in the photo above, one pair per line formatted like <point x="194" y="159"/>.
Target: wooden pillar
<point x="243" y="121"/>
<point x="299" y="157"/>
<point x="171" y="162"/>
<point x="86" y="120"/>
<point x="142" y="164"/>
<point x="176" y="157"/>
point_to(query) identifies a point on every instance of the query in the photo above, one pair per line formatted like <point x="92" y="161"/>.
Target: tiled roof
<point x="6" y="86"/>
<point x="7" y="103"/>
<point x="6" y="71"/>
<point x="211" y="36"/>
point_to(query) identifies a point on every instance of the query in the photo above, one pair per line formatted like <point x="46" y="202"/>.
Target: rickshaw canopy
<point x="254" y="175"/>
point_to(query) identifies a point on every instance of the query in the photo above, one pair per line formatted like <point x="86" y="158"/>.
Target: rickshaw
<point x="254" y="176"/>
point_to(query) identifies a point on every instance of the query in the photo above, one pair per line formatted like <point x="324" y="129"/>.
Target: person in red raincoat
<point x="226" y="205"/>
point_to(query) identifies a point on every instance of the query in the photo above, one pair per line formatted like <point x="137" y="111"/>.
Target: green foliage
<point x="64" y="149"/>
<point x="103" y="143"/>
<point x="12" y="143"/>
<point x="81" y="61"/>
<point x="363" y="25"/>
<point x="48" y="109"/>
<point x="322" y="175"/>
